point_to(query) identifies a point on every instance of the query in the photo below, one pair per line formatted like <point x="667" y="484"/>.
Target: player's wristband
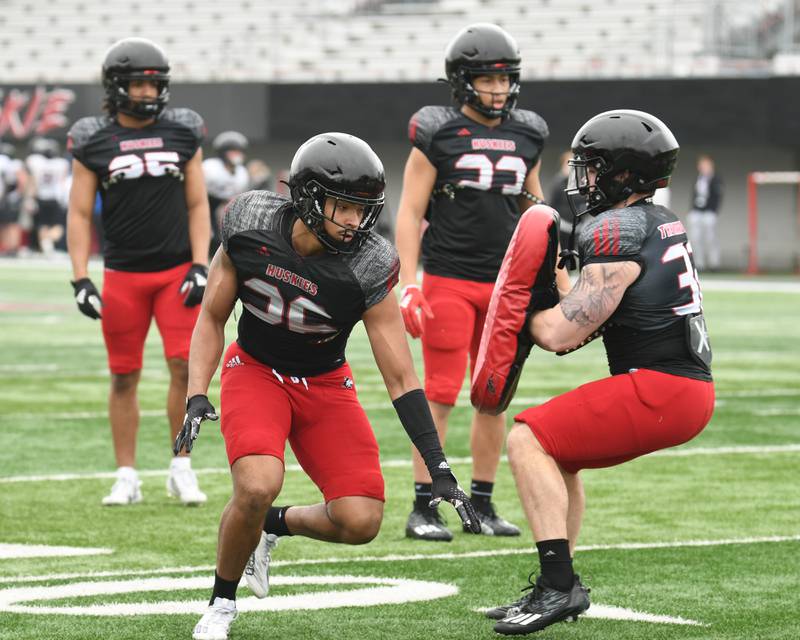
<point x="415" y="416"/>
<point x="533" y="198"/>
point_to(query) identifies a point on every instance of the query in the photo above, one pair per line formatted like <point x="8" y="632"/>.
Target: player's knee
<point x="361" y="527"/>
<point x="124" y="382"/>
<point x="254" y="499"/>
<point x="518" y="442"/>
<point x="178" y="370"/>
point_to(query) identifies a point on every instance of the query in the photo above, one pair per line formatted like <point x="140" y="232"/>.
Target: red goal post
<point x="755" y="179"/>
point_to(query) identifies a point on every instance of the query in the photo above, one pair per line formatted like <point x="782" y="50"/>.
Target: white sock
<point x="180" y="463"/>
<point x="127" y="472"/>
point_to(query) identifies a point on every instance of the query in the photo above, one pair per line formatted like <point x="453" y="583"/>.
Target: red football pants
<point x="130" y="301"/>
<point x="604" y="423"/>
<point x="320" y="416"/>
<point x="453" y="334"/>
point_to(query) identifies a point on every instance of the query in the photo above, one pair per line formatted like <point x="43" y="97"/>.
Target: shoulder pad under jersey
<point x="426" y="122"/>
<point x="531" y="119"/>
<point x="81" y="132"/>
<point x="188" y="118"/>
<point x="615" y="232"/>
<point x="248" y="211"/>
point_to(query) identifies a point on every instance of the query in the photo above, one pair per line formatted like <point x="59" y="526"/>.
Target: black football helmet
<point x="340" y="166"/>
<point x="229" y="141"/>
<point x="612" y="143"/>
<point x="482" y="49"/>
<point x="135" y="59"/>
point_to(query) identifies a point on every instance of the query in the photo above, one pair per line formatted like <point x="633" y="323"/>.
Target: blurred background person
<point x="226" y="176"/>
<point x="706" y="201"/>
<point x="12" y="186"/>
<point x="48" y="175"/>
<point x="261" y="178"/>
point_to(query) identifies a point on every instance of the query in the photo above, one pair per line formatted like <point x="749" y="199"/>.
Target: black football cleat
<point x="498" y="613"/>
<point x="427" y="524"/>
<point x="544" y="606"/>
<point x="494" y="525"/>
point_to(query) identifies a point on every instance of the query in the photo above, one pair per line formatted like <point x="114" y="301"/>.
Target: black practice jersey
<point x="299" y="310"/>
<point x="140" y="173"/>
<point x="480" y="171"/>
<point x="648" y="329"/>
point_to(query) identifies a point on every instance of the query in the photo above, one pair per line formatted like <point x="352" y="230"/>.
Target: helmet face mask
<point x="134" y="59"/>
<point x="343" y="168"/>
<point x="482" y="49"/>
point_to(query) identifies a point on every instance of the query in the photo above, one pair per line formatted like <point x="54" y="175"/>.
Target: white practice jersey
<point x="9" y="168"/>
<point x="49" y="176"/>
<point x="221" y="183"/>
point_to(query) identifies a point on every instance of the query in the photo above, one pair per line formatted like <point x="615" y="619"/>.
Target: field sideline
<point x="702" y="541"/>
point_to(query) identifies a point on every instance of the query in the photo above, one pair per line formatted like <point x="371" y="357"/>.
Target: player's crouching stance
<point x="306" y="270"/>
<point x="638" y="287"/>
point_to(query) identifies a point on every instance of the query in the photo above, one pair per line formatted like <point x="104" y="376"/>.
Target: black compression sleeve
<point x="415" y="416"/>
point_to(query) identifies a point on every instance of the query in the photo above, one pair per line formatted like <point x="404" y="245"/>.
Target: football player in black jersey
<point x="472" y="169"/>
<point x="306" y="271"/>
<point x="638" y="287"/>
<point x="146" y="162"/>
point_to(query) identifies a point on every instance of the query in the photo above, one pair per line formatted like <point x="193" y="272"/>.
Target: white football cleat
<point x="257" y="570"/>
<point x="182" y="483"/>
<point x="216" y="621"/>
<point x="126" y="490"/>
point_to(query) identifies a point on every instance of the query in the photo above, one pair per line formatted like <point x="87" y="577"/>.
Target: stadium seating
<point x="371" y="40"/>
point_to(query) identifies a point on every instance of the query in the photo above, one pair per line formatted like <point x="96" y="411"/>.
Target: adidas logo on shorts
<point x="233" y="362"/>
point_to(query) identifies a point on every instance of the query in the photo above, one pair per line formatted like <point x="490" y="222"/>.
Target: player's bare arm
<point x="419" y="178"/>
<point x="208" y="338"/>
<point x="79" y="218"/>
<point x="197" y="205"/>
<point x="592" y="300"/>
<point x="389" y="346"/>
<point x="532" y="185"/>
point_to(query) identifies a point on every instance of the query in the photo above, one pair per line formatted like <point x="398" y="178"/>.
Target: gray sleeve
<point x="532" y="120"/>
<point x="613" y="235"/>
<point x="189" y="119"/>
<point x="250" y="210"/>
<point x="80" y="133"/>
<point x="376" y="266"/>
<point x="425" y="123"/>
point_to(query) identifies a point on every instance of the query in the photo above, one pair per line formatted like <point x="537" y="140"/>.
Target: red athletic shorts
<point x="459" y="310"/>
<point x="319" y="415"/>
<point x="130" y="300"/>
<point x="604" y="423"/>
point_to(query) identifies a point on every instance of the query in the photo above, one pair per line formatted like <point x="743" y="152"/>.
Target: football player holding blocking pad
<point x="306" y="270"/>
<point x="472" y="169"/>
<point x="638" y="288"/>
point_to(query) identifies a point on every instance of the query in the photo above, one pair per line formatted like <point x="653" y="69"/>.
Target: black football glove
<point x="445" y="487"/>
<point x="542" y="298"/>
<point x="194" y="285"/>
<point x="198" y="408"/>
<point x="88" y="298"/>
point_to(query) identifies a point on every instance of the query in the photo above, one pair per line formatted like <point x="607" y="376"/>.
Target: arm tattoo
<point x="596" y="294"/>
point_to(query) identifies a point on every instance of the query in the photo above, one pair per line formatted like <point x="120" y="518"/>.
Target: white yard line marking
<point x="488" y="553"/>
<point x="8" y="551"/>
<point x="383" y="591"/>
<point x="402" y="463"/>
<point x="610" y="612"/>
<point x="751" y="286"/>
<point x="521" y="400"/>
